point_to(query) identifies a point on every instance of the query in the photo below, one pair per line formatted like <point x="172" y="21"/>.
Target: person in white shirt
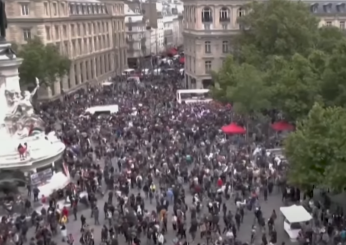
<point x="160" y="239"/>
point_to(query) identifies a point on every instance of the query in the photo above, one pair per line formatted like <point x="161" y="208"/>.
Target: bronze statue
<point x="3" y="21"/>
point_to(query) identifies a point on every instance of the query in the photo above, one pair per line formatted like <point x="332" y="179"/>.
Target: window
<point x="47" y="32"/>
<point x="45" y="8"/>
<point x="91" y="45"/>
<point x="224" y="26"/>
<point x="26" y="34"/>
<point x="241" y="12"/>
<point x="63" y="8"/>
<point x="78" y="30"/>
<point x="327" y="8"/>
<point x="207" y="66"/>
<point x="225" y="46"/>
<point x="64" y="31"/>
<point x="206" y="15"/>
<point x="314" y="8"/>
<point x="206" y="26"/>
<point x="66" y="48"/>
<point x="207" y="47"/>
<point x="328" y="23"/>
<point x="342" y="24"/>
<point x="89" y="28"/>
<point x="24" y="9"/>
<point x="72" y="30"/>
<point x="73" y="51"/>
<point x="340" y="7"/>
<point x="224" y="14"/>
<point x="55" y="10"/>
<point x="79" y="10"/>
<point x="57" y="32"/>
<point x="90" y="11"/>
<point x="85" y="46"/>
<point x="71" y="8"/>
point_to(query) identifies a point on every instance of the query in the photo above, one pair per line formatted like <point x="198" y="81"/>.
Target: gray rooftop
<point x="327" y="7"/>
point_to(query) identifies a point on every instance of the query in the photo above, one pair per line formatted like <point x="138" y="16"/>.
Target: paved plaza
<point x="244" y="234"/>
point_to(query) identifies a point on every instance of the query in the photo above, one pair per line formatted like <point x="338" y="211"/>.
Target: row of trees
<point x="42" y="61"/>
<point x="283" y="61"/>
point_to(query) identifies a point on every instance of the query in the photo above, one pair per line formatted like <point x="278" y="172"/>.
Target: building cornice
<point x="12" y="20"/>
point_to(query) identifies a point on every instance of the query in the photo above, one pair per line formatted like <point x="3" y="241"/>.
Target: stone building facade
<point x="210" y="26"/>
<point x="90" y="32"/>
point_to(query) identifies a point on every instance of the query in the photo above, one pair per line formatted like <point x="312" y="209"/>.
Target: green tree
<point x="42" y="61"/>
<point x="294" y="84"/>
<point x="317" y="149"/>
<point x="278" y="27"/>
<point x="329" y="37"/>
<point x="243" y="86"/>
<point x="333" y="85"/>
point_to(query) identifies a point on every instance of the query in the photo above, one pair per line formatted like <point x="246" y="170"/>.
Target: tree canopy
<point x="297" y="60"/>
<point x="317" y="149"/>
<point x="283" y="61"/>
<point x="42" y="61"/>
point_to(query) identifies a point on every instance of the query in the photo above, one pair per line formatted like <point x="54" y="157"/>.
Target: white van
<point x="294" y="216"/>
<point x="129" y="72"/>
<point x="103" y="109"/>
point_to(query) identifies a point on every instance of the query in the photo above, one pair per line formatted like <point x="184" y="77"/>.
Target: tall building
<point x="90" y="32"/>
<point x="209" y="28"/>
<point x="153" y="14"/>
<point x="208" y="31"/>
<point x="135" y="26"/>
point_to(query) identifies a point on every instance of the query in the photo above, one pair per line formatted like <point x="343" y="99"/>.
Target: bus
<point x="193" y="95"/>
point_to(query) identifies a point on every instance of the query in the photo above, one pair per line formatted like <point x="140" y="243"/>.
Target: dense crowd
<point x="157" y="153"/>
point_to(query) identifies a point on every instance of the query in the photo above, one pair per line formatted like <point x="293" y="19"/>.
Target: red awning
<point x="282" y="126"/>
<point x="172" y="51"/>
<point x="182" y="60"/>
<point x="233" y="128"/>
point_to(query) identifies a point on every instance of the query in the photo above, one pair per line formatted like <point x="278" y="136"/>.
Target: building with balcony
<point x="90" y="32"/>
<point x="178" y="30"/>
<point x="209" y="29"/>
<point x="135" y="25"/>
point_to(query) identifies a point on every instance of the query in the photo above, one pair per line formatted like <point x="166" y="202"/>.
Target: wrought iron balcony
<point x="207" y="19"/>
<point x="223" y="19"/>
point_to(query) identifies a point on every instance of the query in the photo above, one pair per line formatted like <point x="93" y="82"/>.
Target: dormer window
<point x="314" y="8"/>
<point x="340" y="8"/>
<point x="327" y="8"/>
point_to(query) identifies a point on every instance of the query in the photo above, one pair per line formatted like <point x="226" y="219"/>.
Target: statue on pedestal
<point x="21" y="117"/>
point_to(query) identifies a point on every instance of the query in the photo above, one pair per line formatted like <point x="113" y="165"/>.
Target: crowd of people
<point x="164" y="171"/>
